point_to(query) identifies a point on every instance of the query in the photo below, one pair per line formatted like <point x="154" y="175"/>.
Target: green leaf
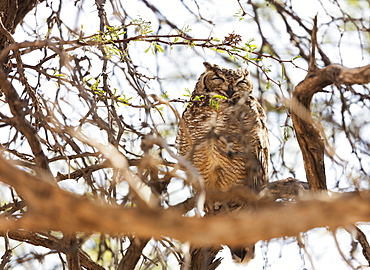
<point x="147" y="50"/>
<point x="188" y="92"/>
<point x="218" y="50"/>
<point x="219" y="97"/>
<point x="239" y="15"/>
<point x="198" y="98"/>
<point x="268" y="85"/>
<point x="213" y="103"/>
<point x="283" y="72"/>
<point x="159" y="48"/>
<point x="95" y="87"/>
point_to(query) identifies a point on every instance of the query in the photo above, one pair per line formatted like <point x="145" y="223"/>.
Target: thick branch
<point x="308" y="133"/>
<point x="133" y="253"/>
<point x="70" y="247"/>
<point x="24" y="6"/>
<point x="361" y="238"/>
<point x="53" y="209"/>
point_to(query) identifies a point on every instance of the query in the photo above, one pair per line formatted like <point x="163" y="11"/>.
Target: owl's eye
<point x="243" y="84"/>
<point x="217" y="80"/>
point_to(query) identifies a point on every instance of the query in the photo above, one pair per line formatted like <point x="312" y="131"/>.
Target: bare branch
<point x="17" y="107"/>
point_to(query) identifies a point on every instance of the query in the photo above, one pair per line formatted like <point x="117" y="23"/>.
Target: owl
<point x="223" y="134"/>
<point x="223" y="131"/>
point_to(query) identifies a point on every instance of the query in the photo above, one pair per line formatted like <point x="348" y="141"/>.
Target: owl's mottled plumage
<point x="226" y="137"/>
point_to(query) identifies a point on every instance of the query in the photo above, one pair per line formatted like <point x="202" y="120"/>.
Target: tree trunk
<point x="12" y="13"/>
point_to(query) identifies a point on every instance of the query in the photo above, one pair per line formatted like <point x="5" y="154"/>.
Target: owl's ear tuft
<point x="244" y="71"/>
<point x="210" y="67"/>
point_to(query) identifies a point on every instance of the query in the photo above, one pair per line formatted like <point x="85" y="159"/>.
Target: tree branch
<point x="309" y="134"/>
<point x="133" y="253"/>
<point x="36" y="239"/>
<point x="361" y="238"/>
<point x="50" y="208"/>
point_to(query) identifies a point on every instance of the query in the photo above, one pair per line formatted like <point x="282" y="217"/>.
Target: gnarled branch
<point x="309" y="135"/>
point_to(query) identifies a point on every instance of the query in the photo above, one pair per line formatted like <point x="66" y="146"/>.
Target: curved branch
<point x="309" y="135"/>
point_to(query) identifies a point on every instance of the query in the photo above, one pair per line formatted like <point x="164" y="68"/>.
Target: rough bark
<point x="70" y="246"/>
<point x="15" y="10"/>
<point x="203" y="258"/>
<point x="8" y="13"/>
<point x="12" y="13"/>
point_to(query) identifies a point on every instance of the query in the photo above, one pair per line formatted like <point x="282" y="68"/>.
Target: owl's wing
<point x="258" y="141"/>
<point x="183" y="140"/>
<point x="263" y="153"/>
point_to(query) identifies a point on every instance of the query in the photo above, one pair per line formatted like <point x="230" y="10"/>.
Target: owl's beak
<point x="230" y="91"/>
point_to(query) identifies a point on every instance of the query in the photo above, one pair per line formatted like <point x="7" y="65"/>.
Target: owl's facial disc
<point x="217" y="84"/>
<point x="225" y="82"/>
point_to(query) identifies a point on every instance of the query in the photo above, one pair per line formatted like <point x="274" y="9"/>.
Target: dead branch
<point x="310" y="135"/>
<point x="70" y="247"/>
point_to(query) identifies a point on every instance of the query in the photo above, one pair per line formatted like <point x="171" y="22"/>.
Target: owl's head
<point x="229" y="83"/>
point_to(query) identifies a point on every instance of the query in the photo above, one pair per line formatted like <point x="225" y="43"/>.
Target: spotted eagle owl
<point x="223" y="134"/>
<point x="223" y="131"/>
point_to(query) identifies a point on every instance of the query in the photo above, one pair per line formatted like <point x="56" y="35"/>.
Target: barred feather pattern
<point x="227" y="135"/>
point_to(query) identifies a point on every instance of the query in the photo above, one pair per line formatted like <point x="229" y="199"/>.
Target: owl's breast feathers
<point x="229" y="142"/>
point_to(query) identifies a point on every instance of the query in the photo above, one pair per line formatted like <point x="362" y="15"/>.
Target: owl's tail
<point x="242" y="254"/>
